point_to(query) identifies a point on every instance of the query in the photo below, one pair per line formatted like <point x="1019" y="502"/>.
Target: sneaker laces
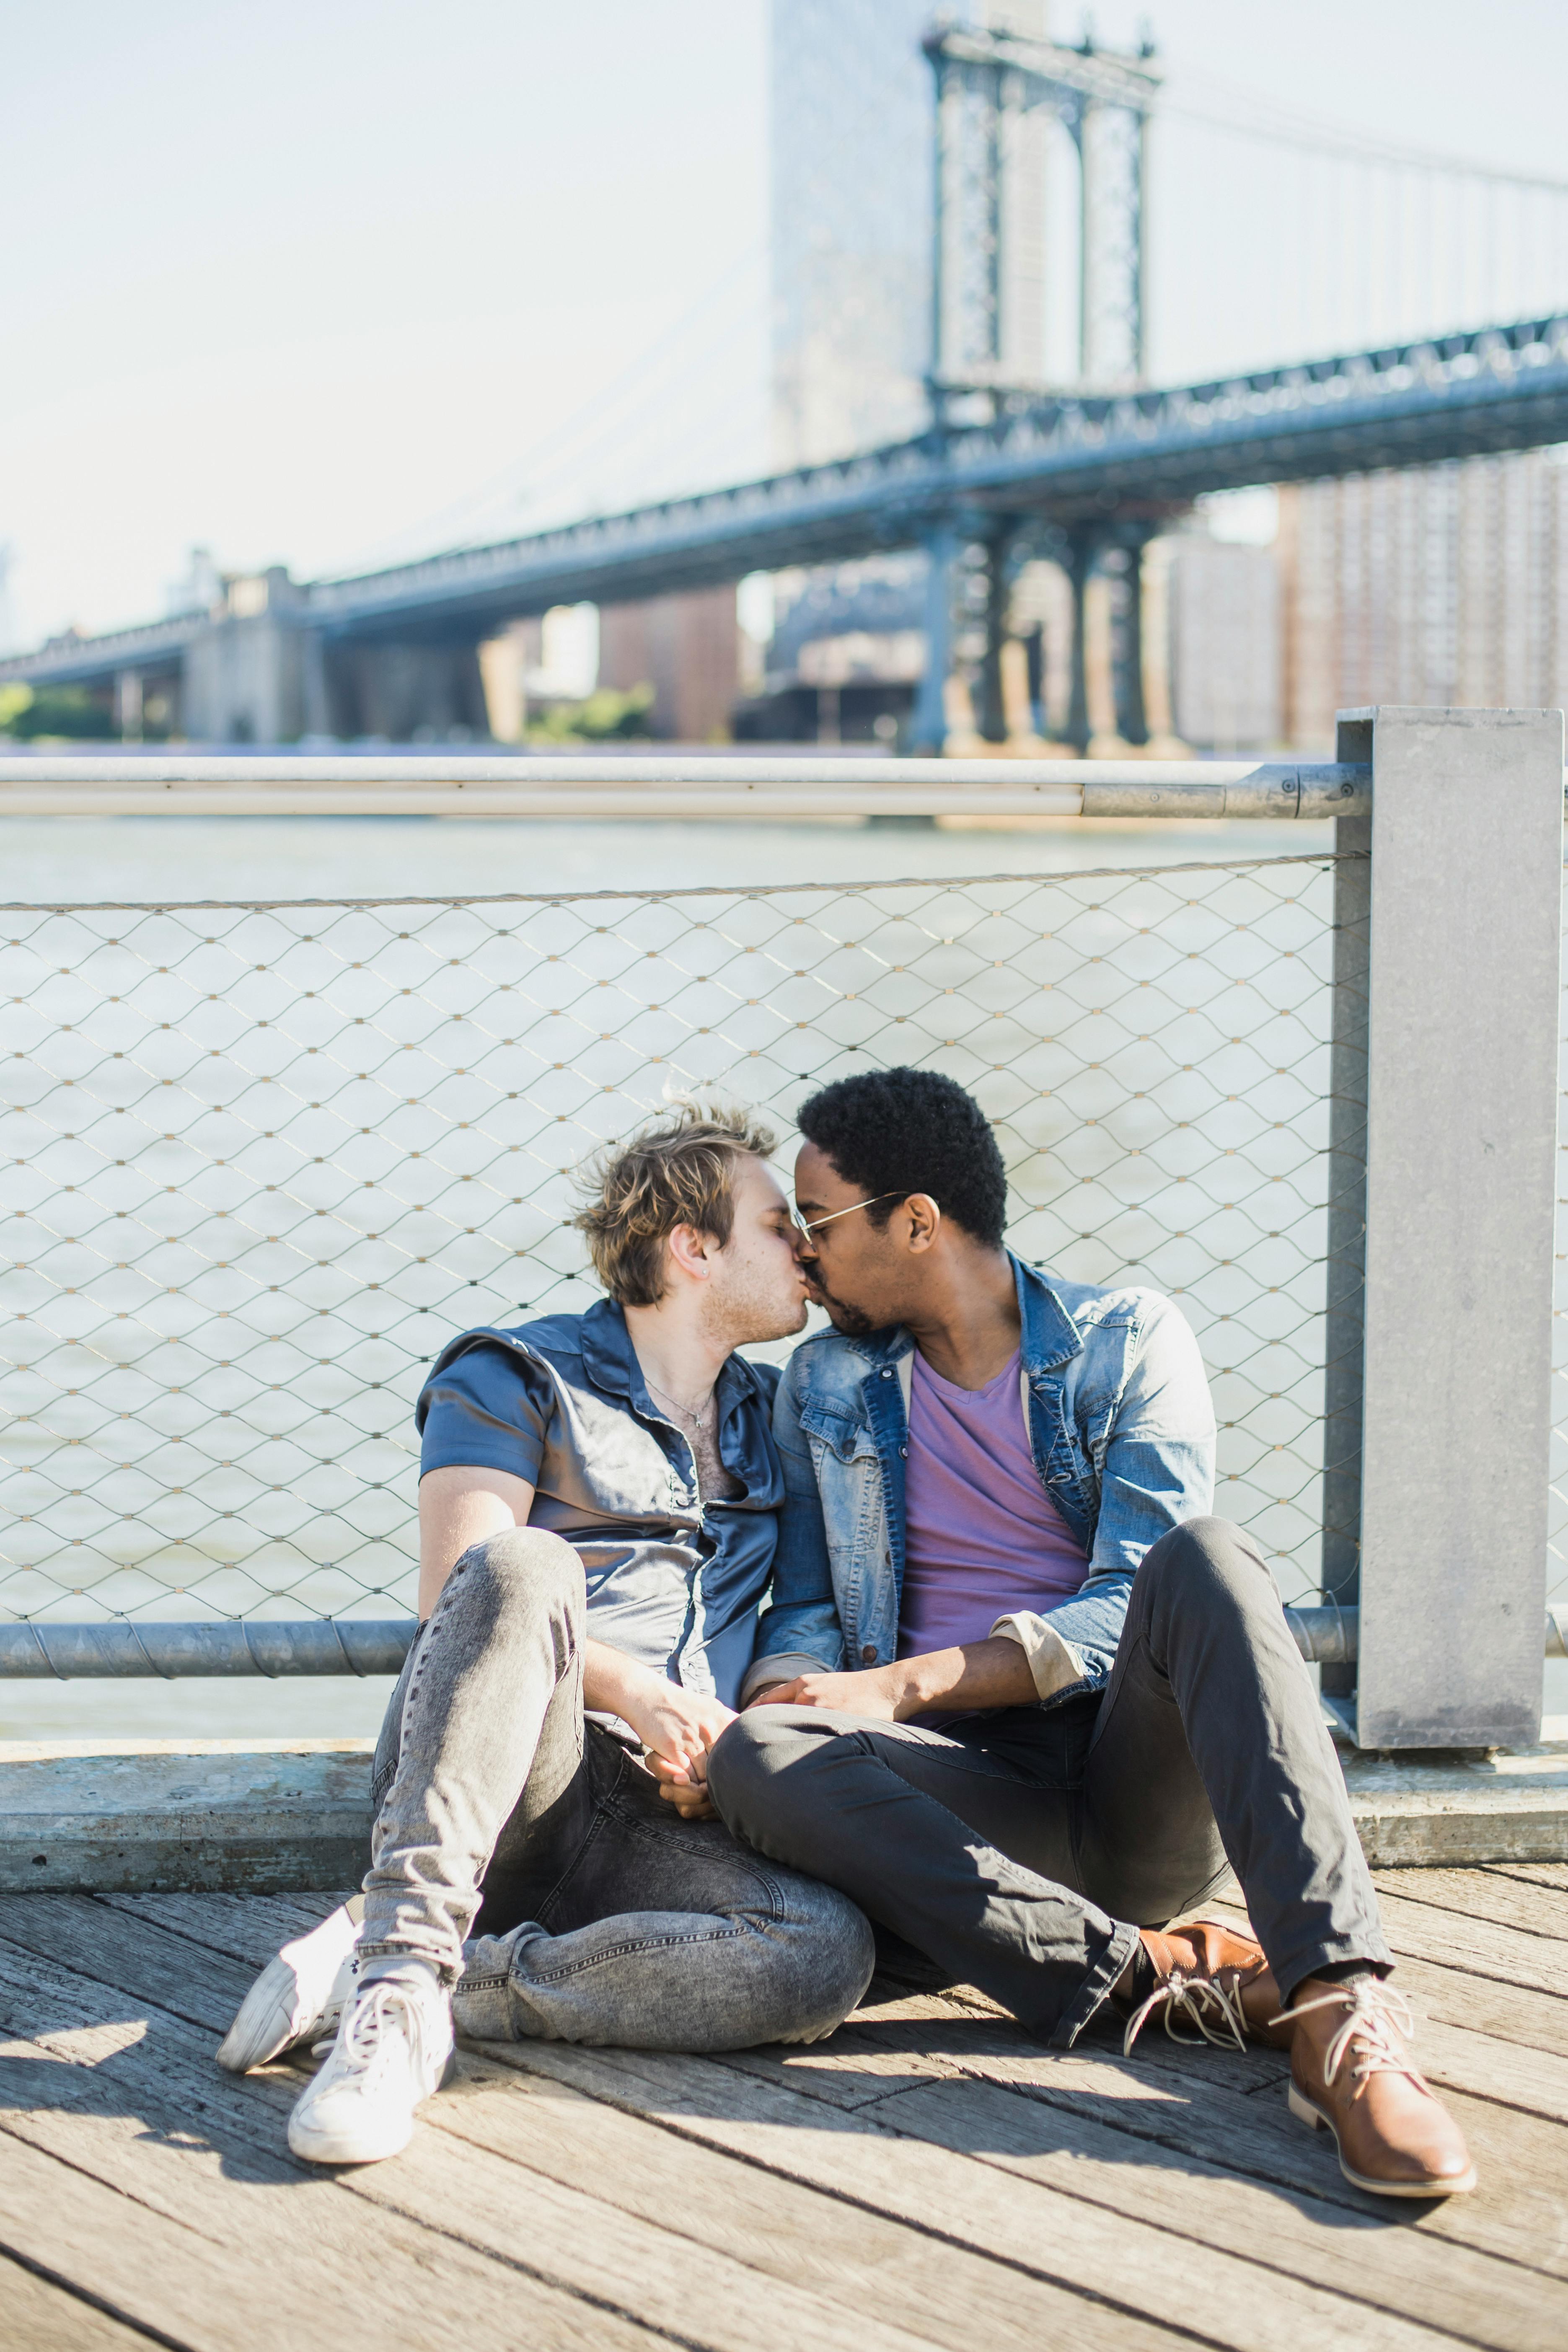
<point x="362" y="2037"/>
<point x="1201" y="1999"/>
<point x="1377" y="2019"/>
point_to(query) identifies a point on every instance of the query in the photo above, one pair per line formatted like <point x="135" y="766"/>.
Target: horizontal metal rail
<point x="702" y="784"/>
<point x="365" y="1645"/>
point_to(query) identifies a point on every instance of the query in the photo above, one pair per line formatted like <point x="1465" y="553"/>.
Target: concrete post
<point x="1344" y="1329"/>
<point x="1462" y="1027"/>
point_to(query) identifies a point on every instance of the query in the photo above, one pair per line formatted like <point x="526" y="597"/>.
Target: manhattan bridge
<point x="1030" y="299"/>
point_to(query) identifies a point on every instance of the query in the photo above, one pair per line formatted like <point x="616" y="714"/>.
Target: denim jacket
<point x="1122" y="1430"/>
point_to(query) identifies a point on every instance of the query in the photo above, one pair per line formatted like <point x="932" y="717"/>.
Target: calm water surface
<point x="167" y="859"/>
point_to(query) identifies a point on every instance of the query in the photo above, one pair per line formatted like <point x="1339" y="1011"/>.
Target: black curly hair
<point x="902" y="1132"/>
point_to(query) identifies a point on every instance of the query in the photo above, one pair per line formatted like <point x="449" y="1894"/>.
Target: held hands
<point x="677" y="1728"/>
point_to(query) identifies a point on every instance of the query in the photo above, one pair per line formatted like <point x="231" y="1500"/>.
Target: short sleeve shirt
<point x="675" y="1577"/>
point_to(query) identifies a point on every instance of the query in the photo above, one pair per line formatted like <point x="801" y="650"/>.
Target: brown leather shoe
<point x="1213" y="1977"/>
<point x="1349" y="2070"/>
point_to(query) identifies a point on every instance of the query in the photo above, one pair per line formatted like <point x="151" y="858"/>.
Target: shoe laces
<point x="1205" y="2001"/>
<point x="363" y="2036"/>
<point x="1377" y="2022"/>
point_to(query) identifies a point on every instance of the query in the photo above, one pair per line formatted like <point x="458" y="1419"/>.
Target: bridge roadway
<point x="1087" y="463"/>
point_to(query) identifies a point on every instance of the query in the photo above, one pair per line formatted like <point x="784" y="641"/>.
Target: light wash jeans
<point x="601" y="1916"/>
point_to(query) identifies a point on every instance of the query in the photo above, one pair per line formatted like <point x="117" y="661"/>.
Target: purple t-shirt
<point x="982" y="1535"/>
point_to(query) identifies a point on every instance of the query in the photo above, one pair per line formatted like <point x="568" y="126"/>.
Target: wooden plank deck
<point x="927" y="2177"/>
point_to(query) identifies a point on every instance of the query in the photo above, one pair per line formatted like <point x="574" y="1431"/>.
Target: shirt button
<point x="868" y="1656"/>
<point x="886" y="1372"/>
<point x="904" y="1451"/>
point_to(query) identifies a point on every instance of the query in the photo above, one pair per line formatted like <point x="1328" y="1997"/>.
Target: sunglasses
<point x="813" y="1224"/>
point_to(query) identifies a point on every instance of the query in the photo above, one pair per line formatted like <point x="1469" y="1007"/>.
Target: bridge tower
<point x="1038" y="279"/>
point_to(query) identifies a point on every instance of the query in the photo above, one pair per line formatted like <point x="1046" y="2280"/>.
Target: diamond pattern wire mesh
<point x="260" y="1161"/>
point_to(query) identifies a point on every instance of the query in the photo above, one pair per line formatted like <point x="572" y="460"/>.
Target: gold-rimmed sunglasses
<point x="812" y="1224"/>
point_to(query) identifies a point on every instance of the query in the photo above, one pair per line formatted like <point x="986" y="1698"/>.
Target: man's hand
<point x="990" y="1673"/>
<point x="875" y="1693"/>
<point x="677" y="1730"/>
<point x="677" y="1727"/>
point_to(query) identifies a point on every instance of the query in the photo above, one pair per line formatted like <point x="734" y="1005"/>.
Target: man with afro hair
<point x="1018" y="1692"/>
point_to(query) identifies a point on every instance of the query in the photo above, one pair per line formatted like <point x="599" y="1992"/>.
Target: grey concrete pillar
<point x="1345" y="1329"/>
<point x="928" y="722"/>
<point x="1462" y="1045"/>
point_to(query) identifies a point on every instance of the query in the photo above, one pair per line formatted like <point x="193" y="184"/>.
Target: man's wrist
<point x="913" y="1685"/>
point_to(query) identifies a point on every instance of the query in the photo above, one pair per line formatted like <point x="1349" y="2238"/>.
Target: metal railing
<point x="260" y="1160"/>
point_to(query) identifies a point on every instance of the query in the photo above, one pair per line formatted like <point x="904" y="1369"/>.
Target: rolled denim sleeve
<point x="1156" y="1460"/>
<point x="1156" y="1466"/>
<point x="799" y="1632"/>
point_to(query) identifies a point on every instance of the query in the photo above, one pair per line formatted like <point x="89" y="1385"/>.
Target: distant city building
<point x="1439" y="586"/>
<point x="1225" y="655"/>
<point x="688" y="648"/>
<point x="1448" y="584"/>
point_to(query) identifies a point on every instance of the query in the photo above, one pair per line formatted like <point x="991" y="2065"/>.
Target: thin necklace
<point x="683" y="1410"/>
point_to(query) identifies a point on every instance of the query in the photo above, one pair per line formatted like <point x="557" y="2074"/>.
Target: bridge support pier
<point x="928" y="723"/>
<point x="128" y="705"/>
<point x="990" y="719"/>
<point x="1083" y="546"/>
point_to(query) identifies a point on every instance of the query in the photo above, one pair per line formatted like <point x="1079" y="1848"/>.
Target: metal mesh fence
<point x="260" y="1160"/>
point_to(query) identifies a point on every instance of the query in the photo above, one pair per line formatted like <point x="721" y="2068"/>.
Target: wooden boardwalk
<point x="927" y="2176"/>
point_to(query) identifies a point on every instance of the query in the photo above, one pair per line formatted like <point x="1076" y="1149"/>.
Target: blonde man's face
<point x="758" y="1289"/>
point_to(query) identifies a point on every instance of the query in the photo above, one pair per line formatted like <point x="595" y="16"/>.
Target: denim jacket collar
<point x="1049" y="1335"/>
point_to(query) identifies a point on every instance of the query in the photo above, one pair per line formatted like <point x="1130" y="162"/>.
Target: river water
<point x="173" y="861"/>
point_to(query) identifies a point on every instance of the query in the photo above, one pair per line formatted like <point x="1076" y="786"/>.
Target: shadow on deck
<point x="928" y="2176"/>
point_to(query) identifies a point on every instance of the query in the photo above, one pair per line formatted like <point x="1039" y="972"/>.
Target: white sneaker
<point x="393" y="2046"/>
<point x="299" y="1996"/>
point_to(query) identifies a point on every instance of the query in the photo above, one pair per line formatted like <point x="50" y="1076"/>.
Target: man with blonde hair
<point x="598" y="1507"/>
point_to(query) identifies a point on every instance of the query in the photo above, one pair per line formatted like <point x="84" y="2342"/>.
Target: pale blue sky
<point x="291" y="277"/>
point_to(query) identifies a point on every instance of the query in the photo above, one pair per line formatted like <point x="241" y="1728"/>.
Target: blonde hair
<point x="676" y="1172"/>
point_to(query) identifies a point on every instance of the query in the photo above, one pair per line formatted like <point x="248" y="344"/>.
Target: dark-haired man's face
<point x="853" y="1268"/>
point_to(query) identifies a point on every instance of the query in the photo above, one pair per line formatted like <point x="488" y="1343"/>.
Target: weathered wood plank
<point x="268" y="2289"/>
<point x="1521" y="2217"/>
<point x="1508" y="2073"/>
<point x="1478" y="2296"/>
<point x="36" y="2315"/>
<point x="1535" y="1874"/>
<point x="775" y="2225"/>
<point x="1127" y="2263"/>
<point x="117" y="1949"/>
<point x="1535" y="2020"/>
<point x="669" y="2280"/>
<point x="1458" y="1995"/>
<point x="248" y="1927"/>
<point x="562" y="2235"/>
<point x="1447" y="1938"/>
<point x="1518" y="1903"/>
<point x="149" y="2118"/>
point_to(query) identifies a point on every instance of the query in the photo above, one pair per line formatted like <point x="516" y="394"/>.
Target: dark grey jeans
<point x="1022" y="1849"/>
<point x="529" y="1857"/>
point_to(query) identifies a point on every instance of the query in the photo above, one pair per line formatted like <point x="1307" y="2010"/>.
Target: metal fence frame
<point x="1442" y="1161"/>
